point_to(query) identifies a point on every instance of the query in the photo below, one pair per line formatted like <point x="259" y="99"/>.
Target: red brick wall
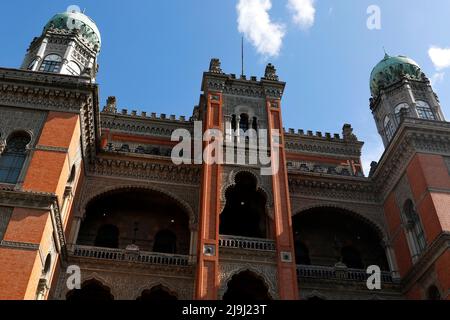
<point x="397" y="234"/>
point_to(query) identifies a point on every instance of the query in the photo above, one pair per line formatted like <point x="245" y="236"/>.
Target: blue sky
<point x="154" y="52"/>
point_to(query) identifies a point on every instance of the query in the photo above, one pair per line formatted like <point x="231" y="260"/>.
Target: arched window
<point x="243" y="122"/>
<point x="414" y="229"/>
<point x="398" y="110"/>
<point x="424" y="110"/>
<point x="255" y="124"/>
<point x="165" y="242"/>
<point x="389" y="128"/>
<point x="73" y="68"/>
<point x="51" y="63"/>
<point x="47" y="264"/>
<point x="233" y="122"/>
<point x="72" y="174"/>
<point x="13" y="158"/>
<point x="107" y="236"/>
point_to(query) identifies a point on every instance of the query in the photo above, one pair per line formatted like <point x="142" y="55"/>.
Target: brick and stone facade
<point x="98" y="189"/>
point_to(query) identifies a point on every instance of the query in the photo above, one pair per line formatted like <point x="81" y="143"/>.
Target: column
<point x="208" y="233"/>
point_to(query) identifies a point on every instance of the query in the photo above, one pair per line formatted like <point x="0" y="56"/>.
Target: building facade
<point x="90" y="194"/>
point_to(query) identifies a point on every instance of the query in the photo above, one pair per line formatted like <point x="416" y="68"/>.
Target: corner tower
<point x="412" y="178"/>
<point x="69" y="44"/>
<point x="400" y="89"/>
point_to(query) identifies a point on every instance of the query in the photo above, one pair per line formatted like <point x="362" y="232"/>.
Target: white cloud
<point x="437" y="78"/>
<point x="440" y="57"/>
<point x="254" y="22"/>
<point x="303" y="12"/>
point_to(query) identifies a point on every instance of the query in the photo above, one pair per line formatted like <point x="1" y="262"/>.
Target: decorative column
<point x="208" y="234"/>
<point x="70" y="49"/>
<point x="391" y="259"/>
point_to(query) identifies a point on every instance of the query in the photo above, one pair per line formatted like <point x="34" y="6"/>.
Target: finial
<point x="385" y="53"/>
<point x="271" y="73"/>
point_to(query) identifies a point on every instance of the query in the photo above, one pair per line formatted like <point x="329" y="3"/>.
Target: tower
<point x="47" y="128"/>
<point x="400" y="89"/>
<point x="238" y="204"/>
<point x="68" y="45"/>
<point x="413" y="175"/>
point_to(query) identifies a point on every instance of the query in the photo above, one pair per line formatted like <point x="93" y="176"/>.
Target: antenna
<point x="242" y="56"/>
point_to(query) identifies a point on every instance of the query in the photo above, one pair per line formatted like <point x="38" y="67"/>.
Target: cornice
<point x="358" y="189"/>
<point x="413" y="136"/>
<point x="37" y="201"/>
<point x="141" y="169"/>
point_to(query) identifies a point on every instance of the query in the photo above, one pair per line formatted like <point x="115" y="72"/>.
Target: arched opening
<point x="72" y="174"/>
<point x="433" y="293"/>
<point x="47" y="264"/>
<point x="158" y="293"/>
<point x="51" y="63"/>
<point x="246" y="286"/>
<point x="107" y="236"/>
<point x="91" y="290"/>
<point x="244" y="122"/>
<point x="145" y="218"/>
<point x="414" y="229"/>
<point x="244" y="213"/>
<point x="334" y="235"/>
<point x="13" y="157"/>
<point x="165" y="242"/>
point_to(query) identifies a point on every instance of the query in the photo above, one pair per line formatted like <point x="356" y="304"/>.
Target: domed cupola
<point x="69" y="44"/>
<point x="75" y="20"/>
<point x="391" y="70"/>
<point x="401" y="90"/>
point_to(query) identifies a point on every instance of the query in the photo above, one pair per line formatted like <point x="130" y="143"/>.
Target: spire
<point x="386" y="56"/>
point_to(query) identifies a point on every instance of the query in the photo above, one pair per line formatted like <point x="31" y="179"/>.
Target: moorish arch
<point x="158" y="293"/>
<point x="245" y="210"/>
<point x="327" y="235"/>
<point x="350" y="210"/>
<point x="91" y="290"/>
<point x="266" y="274"/>
<point x="92" y="193"/>
<point x="246" y="285"/>
<point x="137" y="216"/>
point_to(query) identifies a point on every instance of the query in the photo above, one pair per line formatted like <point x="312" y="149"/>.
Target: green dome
<point x="391" y="70"/>
<point x="79" y="21"/>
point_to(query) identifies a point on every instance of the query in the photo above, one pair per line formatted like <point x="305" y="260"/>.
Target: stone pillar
<point x="390" y="255"/>
<point x="287" y="271"/>
<point x="67" y="56"/>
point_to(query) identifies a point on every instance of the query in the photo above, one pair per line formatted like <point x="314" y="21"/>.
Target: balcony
<point x="130" y="254"/>
<point x="339" y="273"/>
<point x="235" y="242"/>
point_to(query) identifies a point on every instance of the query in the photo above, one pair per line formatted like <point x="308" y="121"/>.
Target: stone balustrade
<point x="130" y="255"/>
<point x="246" y="243"/>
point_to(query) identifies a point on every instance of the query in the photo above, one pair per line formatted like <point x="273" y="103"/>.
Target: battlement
<point x="111" y="108"/>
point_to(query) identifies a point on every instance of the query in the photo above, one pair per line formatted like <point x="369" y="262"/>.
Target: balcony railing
<point x="246" y="243"/>
<point x="339" y="273"/>
<point x="130" y="255"/>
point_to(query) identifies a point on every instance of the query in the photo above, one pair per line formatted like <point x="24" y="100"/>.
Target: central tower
<point x="238" y="203"/>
